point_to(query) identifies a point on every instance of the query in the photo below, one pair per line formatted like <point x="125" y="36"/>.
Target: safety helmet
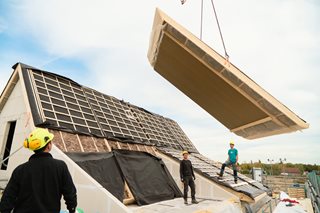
<point x="37" y="139"/>
<point x="231" y="143"/>
<point x="185" y="152"/>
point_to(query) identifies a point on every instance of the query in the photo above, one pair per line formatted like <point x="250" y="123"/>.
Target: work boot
<point x="194" y="201"/>
<point x="185" y="201"/>
<point x="235" y="181"/>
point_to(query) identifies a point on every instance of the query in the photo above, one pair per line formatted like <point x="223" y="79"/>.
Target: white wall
<point x="15" y="110"/>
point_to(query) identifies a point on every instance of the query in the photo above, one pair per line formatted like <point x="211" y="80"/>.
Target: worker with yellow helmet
<point x="187" y="178"/>
<point x="38" y="185"/>
<point x="232" y="160"/>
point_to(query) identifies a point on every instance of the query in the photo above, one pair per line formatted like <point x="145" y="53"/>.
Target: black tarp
<point x="104" y="169"/>
<point x="146" y="175"/>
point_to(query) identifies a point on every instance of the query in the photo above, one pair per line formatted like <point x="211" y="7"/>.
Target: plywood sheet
<point x="218" y="87"/>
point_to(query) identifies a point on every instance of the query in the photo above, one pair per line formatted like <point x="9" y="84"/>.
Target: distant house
<point x="290" y="171"/>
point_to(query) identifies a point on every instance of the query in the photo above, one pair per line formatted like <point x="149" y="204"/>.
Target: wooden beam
<point x="94" y="143"/>
<point x="79" y="141"/>
<point x="251" y="124"/>
<point x="107" y="144"/>
<point x="64" y="144"/>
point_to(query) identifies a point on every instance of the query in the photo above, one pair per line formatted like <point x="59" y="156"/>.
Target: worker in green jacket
<point x="232" y="160"/>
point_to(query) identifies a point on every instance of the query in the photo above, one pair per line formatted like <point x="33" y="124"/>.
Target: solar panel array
<point x="66" y="104"/>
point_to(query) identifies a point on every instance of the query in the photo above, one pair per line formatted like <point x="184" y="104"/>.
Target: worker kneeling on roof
<point x="38" y="185"/>
<point x="187" y="177"/>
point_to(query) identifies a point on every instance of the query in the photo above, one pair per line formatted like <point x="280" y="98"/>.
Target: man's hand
<point x="182" y="180"/>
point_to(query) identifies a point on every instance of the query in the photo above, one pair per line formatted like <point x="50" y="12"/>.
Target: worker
<point x="232" y="160"/>
<point x="38" y="185"/>
<point x="187" y="177"/>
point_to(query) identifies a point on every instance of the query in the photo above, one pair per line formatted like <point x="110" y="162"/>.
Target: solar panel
<point x="65" y="104"/>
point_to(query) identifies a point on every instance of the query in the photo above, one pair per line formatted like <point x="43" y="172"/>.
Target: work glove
<point x="181" y="179"/>
<point x="194" y="177"/>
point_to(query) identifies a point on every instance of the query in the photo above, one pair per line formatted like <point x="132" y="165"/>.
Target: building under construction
<point x="124" y="158"/>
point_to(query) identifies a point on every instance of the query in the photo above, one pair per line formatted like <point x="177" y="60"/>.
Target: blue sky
<point x="103" y="44"/>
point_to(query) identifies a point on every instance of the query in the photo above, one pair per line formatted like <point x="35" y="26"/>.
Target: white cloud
<point x="274" y="42"/>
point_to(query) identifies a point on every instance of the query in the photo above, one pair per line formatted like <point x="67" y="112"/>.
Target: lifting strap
<point x="219" y="28"/>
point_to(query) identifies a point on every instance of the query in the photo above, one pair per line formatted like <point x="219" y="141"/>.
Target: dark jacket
<point x="38" y="185"/>
<point x="186" y="169"/>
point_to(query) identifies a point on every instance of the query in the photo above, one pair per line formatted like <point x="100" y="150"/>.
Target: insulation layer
<point x="218" y="87"/>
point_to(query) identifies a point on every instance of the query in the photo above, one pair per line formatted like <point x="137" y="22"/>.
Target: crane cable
<point x="201" y="22"/>
<point x="220" y="31"/>
<point x="219" y="28"/>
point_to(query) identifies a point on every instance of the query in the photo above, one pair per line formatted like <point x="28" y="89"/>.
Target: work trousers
<point x="234" y="168"/>
<point x="188" y="181"/>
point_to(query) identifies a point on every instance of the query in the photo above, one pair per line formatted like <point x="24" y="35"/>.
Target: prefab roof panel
<point x="217" y="86"/>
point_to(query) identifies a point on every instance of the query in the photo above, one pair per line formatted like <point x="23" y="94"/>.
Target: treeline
<point x="277" y="168"/>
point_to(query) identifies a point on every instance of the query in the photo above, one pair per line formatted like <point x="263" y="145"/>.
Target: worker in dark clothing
<point x="187" y="177"/>
<point x="38" y="185"/>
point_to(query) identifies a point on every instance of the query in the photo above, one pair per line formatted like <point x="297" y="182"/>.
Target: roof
<point x="60" y="103"/>
<point x="291" y="170"/>
<point x="219" y="87"/>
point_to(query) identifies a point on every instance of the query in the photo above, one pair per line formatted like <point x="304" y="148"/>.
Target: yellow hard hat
<point x="185" y="152"/>
<point x="231" y="143"/>
<point x="37" y="139"/>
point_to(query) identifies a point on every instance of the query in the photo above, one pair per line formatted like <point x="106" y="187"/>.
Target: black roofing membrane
<point x="146" y="175"/>
<point x="103" y="168"/>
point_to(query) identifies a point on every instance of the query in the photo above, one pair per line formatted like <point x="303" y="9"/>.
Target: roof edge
<point x="5" y="94"/>
<point x="25" y="66"/>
